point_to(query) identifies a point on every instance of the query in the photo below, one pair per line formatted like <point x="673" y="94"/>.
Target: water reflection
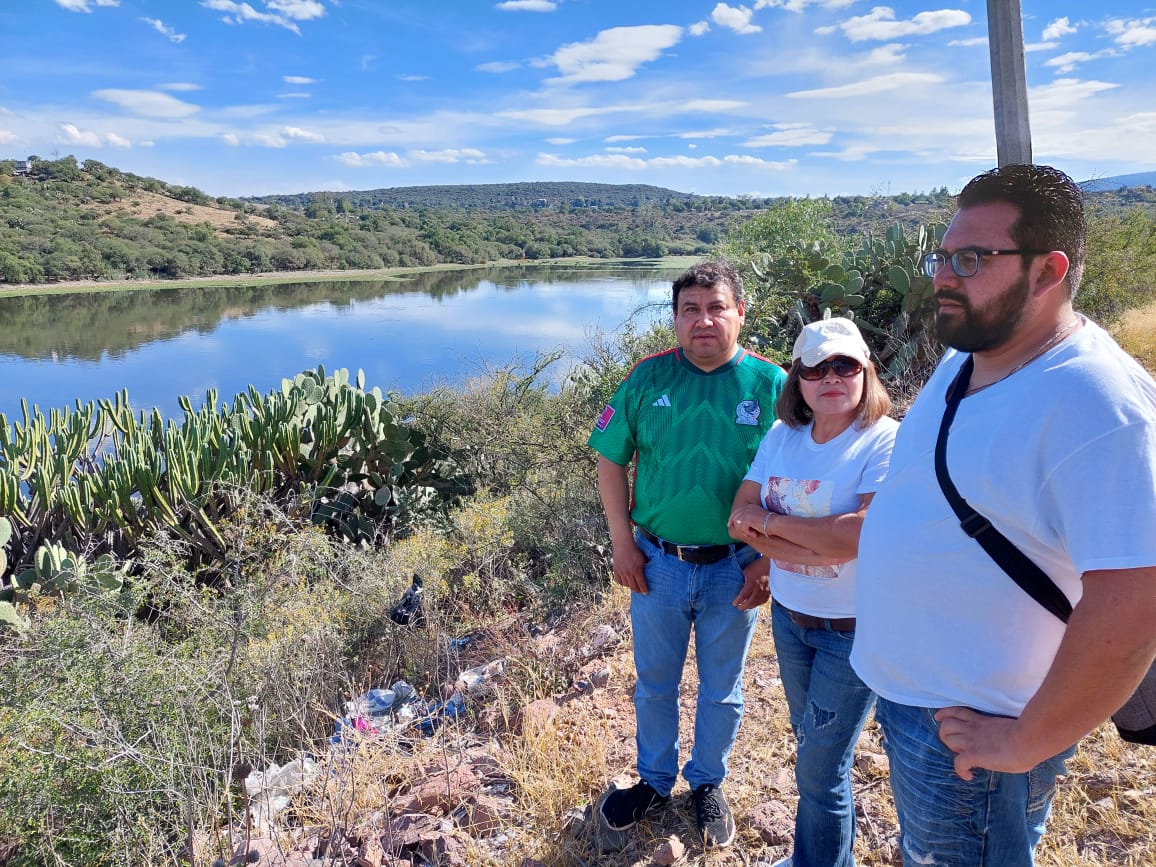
<point x="407" y="334"/>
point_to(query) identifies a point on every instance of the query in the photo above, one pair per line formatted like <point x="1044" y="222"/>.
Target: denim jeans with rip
<point x="828" y="704"/>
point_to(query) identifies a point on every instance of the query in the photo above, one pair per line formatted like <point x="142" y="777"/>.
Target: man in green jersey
<point x="691" y="419"/>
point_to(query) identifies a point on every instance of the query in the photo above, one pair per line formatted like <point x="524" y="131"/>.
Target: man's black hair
<point x="711" y="274"/>
<point x="1051" y="208"/>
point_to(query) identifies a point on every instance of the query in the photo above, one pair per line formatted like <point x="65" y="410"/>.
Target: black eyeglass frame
<point x="851" y="367"/>
<point x="944" y="258"/>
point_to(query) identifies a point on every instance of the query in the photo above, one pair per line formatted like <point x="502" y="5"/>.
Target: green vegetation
<point x="70" y="221"/>
<point x="184" y="601"/>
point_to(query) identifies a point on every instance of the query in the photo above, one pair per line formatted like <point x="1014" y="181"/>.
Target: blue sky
<point x="762" y="97"/>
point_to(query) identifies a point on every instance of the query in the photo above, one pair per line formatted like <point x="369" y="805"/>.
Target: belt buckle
<point x="678" y="552"/>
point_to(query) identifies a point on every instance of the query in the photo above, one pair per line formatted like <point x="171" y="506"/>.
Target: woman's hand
<point x="748" y="522"/>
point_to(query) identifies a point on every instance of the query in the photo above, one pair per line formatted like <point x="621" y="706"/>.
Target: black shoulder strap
<point x="1031" y="579"/>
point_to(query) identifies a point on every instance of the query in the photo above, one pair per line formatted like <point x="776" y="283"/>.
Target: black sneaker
<point x="715" y="822"/>
<point x="623" y="808"/>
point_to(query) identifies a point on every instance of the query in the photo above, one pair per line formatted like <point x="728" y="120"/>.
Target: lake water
<point x="407" y="335"/>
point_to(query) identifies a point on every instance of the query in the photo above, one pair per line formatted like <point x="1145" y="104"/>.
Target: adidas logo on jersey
<point x="662" y="401"/>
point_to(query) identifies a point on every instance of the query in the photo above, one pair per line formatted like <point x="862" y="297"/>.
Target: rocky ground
<point x="514" y="782"/>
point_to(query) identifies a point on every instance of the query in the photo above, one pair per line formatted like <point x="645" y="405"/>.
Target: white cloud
<point x="614" y="54"/>
<point x="886" y="54"/>
<point x="709" y="105"/>
<point x="148" y="103"/>
<point x="699" y="28"/>
<point x="73" y="136"/>
<point x="1031" y="47"/>
<point x="169" y="33"/>
<point x="705" y="133"/>
<point x="790" y="135"/>
<point x="413" y="78"/>
<point x="284" y="12"/>
<point x="622" y="161"/>
<point x="527" y="6"/>
<point x="800" y="5"/>
<point x="611" y="138"/>
<point x="625" y="150"/>
<point x="561" y="141"/>
<point x="297" y="134"/>
<point x="117" y="141"/>
<point x="471" y="156"/>
<point x="375" y="158"/>
<point x="82" y="5"/>
<point x="1065" y="63"/>
<point x="7" y="137"/>
<point x="498" y="66"/>
<point x="974" y="42"/>
<point x="179" y="86"/>
<point x="1130" y="33"/>
<point x="298" y="10"/>
<point x="231" y="139"/>
<point x="1064" y="92"/>
<point x="879" y="84"/>
<point x="298" y="79"/>
<point x="736" y="18"/>
<point x="880" y="24"/>
<point x="1058" y="28"/>
<point x="295" y="94"/>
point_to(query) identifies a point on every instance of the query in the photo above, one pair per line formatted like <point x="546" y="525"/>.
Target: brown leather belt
<point x="810" y="621"/>
<point x="697" y="555"/>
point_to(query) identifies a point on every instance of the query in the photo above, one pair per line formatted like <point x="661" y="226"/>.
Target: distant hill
<point x="1140" y="179"/>
<point x="494" y="197"/>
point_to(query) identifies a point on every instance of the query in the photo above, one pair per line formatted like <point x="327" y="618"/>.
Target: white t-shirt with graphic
<point x="798" y="476"/>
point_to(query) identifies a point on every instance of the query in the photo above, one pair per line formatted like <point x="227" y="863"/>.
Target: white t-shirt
<point x="1061" y="458"/>
<point x="799" y="476"/>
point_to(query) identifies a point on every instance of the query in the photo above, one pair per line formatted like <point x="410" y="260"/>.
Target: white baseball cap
<point x="828" y="337"/>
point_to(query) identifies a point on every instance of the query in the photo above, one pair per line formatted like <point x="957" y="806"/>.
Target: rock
<point x="409" y="830"/>
<point x="479" y="818"/>
<point x="670" y="852"/>
<point x="537" y="714"/>
<point x="774" y="822"/>
<point x="872" y="765"/>
<point x="781" y="780"/>
<point x="441" y="792"/>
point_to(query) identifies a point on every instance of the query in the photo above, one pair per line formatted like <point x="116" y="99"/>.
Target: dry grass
<point x="1105" y="809"/>
<point x="142" y="204"/>
<point x="1136" y="332"/>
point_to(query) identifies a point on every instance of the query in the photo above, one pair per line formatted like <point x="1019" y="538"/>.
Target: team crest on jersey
<point x="747" y="412"/>
<point x="604" y="419"/>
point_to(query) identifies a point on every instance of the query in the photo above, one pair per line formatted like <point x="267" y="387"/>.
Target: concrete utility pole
<point x="1005" y="32"/>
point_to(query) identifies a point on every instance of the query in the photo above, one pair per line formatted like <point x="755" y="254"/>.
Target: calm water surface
<point x="431" y="329"/>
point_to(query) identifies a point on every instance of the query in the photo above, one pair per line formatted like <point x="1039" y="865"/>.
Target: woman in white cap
<point x="802" y="504"/>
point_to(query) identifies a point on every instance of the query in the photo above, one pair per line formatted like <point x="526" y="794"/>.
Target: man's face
<point x="981" y="312"/>
<point x="707" y="322"/>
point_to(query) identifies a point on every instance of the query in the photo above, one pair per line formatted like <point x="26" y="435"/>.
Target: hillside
<point x="61" y="220"/>
<point x="495" y="197"/>
<point x="1128" y="182"/>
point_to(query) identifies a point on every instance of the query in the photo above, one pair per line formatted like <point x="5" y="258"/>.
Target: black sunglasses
<point x="844" y="368"/>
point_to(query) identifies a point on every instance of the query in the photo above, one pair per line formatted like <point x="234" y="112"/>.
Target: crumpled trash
<point x="394" y="709"/>
<point x="471" y="678"/>
<point x="271" y="790"/>
<point x="408" y="608"/>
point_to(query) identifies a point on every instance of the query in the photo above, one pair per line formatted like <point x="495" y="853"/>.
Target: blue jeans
<point x="828" y="704"/>
<point x="681" y="597"/>
<point x="995" y="820"/>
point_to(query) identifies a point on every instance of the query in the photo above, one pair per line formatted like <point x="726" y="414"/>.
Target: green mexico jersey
<point x="694" y="434"/>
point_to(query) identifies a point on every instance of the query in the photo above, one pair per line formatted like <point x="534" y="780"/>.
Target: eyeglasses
<point x="844" y="368"/>
<point x="966" y="262"/>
